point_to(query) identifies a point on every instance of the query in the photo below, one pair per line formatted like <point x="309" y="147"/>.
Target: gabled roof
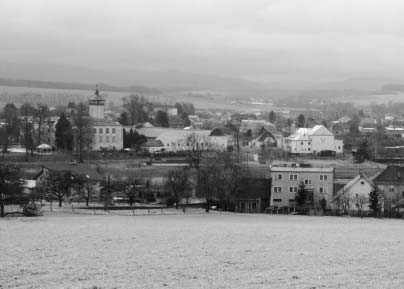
<point x="217" y="131"/>
<point x="77" y="168"/>
<point x="265" y="135"/>
<point x="319" y="130"/>
<point x="153" y="143"/>
<point x="360" y="177"/>
<point x="392" y="174"/>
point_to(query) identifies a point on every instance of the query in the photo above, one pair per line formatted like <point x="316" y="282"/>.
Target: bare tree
<point x="42" y="112"/>
<point x="10" y="186"/>
<point x="219" y="176"/>
<point x="178" y="185"/>
<point x="58" y="184"/>
<point x="197" y="149"/>
<point x="235" y="126"/>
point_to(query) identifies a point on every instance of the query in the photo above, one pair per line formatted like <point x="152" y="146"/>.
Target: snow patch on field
<point x="200" y="251"/>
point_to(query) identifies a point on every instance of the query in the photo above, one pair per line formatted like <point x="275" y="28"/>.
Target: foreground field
<point x="200" y="251"/>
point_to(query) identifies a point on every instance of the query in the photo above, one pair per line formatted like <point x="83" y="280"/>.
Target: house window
<point x="100" y="130"/>
<point x="100" y="138"/>
<point x="323" y="177"/>
<point x="277" y="189"/>
<point x="391" y="189"/>
<point x="293" y="177"/>
<point x="307" y="182"/>
<point x="107" y="138"/>
<point x="362" y="183"/>
<point x="113" y="130"/>
<point x="277" y="200"/>
<point x="309" y="143"/>
<point x="323" y="190"/>
<point x="292" y="189"/>
<point x="113" y="139"/>
<point x="301" y="143"/>
<point x="253" y="205"/>
<point x="278" y="177"/>
<point x="107" y="130"/>
<point x="94" y="130"/>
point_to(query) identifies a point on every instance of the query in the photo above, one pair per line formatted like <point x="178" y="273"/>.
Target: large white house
<point x="312" y="141"/>
<point x="107" y="134"/>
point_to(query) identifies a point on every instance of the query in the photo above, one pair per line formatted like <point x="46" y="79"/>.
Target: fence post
<point x="148" y="211"/>
<point x="133" y="210"/>
<point x="72" y="208"/>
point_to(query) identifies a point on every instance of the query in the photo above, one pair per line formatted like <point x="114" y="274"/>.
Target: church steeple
<point x="96" y="105"/>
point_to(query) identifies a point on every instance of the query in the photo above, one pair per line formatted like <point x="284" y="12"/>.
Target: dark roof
<point x="217" y="131"/>
<point x="253" y="188"/>
<point x="337" y="187"/>
<point x="264" y="135"/>
<point x="392" y="174"/>
<point x="83" y="169"/>
<point x="103" y="122"/>
<point x="153" y="143"/>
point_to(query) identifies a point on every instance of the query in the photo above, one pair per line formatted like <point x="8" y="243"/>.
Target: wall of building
<point x="313" y="182"/>
<point x="107" y="137"/>
<point x="322" y="143"/>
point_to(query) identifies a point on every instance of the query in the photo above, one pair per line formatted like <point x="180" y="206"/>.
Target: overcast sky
<point x="264" y="40"/>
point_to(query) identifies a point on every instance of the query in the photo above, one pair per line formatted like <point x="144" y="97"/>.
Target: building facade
<point x="287" y="179"/>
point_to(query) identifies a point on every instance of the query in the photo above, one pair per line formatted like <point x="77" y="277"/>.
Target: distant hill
<point x="121" y="79"/>
<point x="364" y="84"/>
<point x="393" y="87"/>
<point x="78" y="86"/>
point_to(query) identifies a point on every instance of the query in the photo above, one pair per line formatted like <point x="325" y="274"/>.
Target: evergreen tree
<point x="272" y="116"/>
<point x="124" y="119"/>
<point x="82" y="129"/>
<point x="301" y="196"/>
<point x="162" y="119"/>
<point x="64" y="134"/>
<point x="374" y="201"/>
<point x="300" y="121"/>
<point x="10" y="186"/>
<point x="362" y="153"/>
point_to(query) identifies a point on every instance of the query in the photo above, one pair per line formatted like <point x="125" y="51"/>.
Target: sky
<point x="273" y="40"/>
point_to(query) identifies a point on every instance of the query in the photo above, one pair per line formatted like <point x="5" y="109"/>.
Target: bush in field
<point x="32" y="210"/>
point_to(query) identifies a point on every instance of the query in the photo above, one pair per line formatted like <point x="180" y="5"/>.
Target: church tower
<point x="97" y="105"/>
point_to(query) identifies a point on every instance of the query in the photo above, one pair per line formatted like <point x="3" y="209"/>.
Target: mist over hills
<point x="143" y="81"/>
<point x="122" y="80"/>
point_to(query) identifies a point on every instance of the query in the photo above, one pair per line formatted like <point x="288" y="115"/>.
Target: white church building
<point x="312" y="141"/>
<point x="107" y="134"/>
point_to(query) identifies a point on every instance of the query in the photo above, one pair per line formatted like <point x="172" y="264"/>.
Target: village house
<point x="94" y="178"/>
<point x="255" y="126"/>
<point x="287" y="178"/>
<point x="312" y="141"/>
<point x="252" y="195"/>
<point x="390" y="183"/>
<point x="353" y="196"/>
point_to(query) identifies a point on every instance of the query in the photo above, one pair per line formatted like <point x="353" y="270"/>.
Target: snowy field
<point x="200" y="251"/>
